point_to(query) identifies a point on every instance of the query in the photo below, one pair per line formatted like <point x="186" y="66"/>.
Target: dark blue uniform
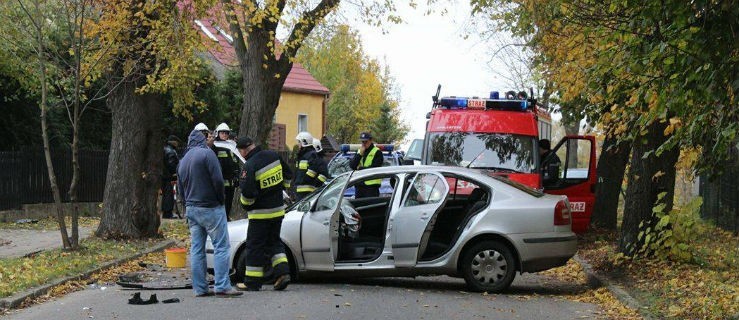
<point x="311" y="172"/>
<point x="262" y="182"/>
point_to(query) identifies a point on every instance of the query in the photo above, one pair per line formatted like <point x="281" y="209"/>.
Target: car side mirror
<point x="304" y="206"/>
<point x="408" y="162"/>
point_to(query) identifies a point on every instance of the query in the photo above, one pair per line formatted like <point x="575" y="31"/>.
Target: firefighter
<point x="262" y="182"/>
<point x="308" y="166"/>
<point x="323" y="165"/>
<point x="368" y="156"/>
<point x="229" y="164"/>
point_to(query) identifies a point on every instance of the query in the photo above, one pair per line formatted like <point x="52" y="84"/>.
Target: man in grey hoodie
<point x="200" y="183"/>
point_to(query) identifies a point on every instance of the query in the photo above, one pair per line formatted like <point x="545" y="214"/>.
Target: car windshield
<point x="340" y="163"/>
<point x="494" y="151"/>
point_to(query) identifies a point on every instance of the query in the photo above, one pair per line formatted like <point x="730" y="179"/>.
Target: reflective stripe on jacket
<point x="262" y="181"/>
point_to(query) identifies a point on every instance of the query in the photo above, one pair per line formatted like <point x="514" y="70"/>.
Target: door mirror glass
<point x="304" y="206"/>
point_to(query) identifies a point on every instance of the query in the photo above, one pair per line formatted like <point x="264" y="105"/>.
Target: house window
<point x="302" y="122"/>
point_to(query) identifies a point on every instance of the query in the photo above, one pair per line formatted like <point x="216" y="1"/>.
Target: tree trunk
<point x="571" y="123"/>
<point x="74" y="185"/>
<point x="134" y="165"/>
<point x="611" y="167"/>
<point x="648" y="177"/>
<point x="45" y="137"/>
<point x="262" y="89"/>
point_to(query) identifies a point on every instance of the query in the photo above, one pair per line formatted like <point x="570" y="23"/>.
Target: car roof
<point x="404" y="169"/>
<point x="475" y="174"/>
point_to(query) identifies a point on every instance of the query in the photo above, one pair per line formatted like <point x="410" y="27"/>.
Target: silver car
<point x="438" y="220"/>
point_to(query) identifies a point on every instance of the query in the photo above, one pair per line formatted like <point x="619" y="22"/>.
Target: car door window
<point x="330" y="197"/>
<point x="426" y="189"/>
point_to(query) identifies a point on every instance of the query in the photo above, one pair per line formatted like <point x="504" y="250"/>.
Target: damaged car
<point x="452" y="221"/>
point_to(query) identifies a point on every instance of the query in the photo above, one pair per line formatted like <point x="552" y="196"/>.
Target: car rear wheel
<point x="488" y="266"/>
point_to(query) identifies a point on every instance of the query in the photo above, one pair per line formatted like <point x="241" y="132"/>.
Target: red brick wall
<point x="277" y="137"/>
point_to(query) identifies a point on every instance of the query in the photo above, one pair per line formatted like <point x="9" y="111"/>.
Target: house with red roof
<point x="302" y="105"/>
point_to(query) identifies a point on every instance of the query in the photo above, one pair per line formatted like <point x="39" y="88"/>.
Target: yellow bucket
<point x="176" y="257"/>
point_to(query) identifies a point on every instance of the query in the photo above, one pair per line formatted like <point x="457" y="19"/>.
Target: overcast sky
<point x="427" y="51"/>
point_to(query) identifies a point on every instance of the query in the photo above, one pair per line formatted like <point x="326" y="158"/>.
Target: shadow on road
<point x="530" y="285"/>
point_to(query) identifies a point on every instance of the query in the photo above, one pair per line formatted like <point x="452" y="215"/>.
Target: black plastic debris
<point x="173" y="300"/>
<point x="136" y="299"/>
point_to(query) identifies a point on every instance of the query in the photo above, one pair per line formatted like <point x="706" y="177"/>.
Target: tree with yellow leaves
<point x="658" y="75"/>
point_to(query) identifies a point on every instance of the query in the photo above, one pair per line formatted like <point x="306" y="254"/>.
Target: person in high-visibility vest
<point x="368" y="156"/>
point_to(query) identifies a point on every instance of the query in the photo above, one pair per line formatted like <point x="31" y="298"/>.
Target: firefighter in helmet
<point x="229" y="163"/>
<point x="309" y="172"/>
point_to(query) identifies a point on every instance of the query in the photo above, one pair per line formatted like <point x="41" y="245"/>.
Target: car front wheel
<point x="488" y="266"/>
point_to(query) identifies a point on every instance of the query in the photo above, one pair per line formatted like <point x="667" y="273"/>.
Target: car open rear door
<point x="575" y="177"/>
<point x="319" y="228"/>
<point x="411" y="224"/>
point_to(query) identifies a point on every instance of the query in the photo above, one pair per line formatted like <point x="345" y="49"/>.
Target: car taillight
<point x="562" y="215"/>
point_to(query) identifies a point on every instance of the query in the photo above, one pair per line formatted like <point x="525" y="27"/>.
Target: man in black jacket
<point x="262" y="181"/>
<point x="169" y="174"/>
<point x="368" y="156"/>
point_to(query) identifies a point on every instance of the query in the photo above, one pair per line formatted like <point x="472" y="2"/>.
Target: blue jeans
<point x="209" y="222"/>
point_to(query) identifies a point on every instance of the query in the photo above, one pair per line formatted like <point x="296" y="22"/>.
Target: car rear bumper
<point x="545" y="251"/>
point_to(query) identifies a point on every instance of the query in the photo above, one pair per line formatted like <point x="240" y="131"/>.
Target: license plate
<point x="577" y="206"/>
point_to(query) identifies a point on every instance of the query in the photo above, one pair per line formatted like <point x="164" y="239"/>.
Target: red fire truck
<point x="502" y="137"/>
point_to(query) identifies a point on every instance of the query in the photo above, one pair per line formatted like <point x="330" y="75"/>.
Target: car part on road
<point x="488" y="266"/>
<point x="173" y="300"/>
<point x="157" y="280"/>
<point x="137" y="299"/>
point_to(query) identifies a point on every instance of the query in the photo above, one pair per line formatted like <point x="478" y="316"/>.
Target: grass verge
<point x="49" y="224"/>
<point x="706" y="287"/>
<point x="18" y="274"/>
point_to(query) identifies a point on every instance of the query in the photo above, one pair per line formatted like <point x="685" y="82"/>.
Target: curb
<point x="596" y="281"/>
<point x="18" y="298"/>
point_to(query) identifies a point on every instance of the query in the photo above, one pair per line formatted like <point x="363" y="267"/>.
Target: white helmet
<point x="317" y="145"/>
<point x="305" y="139"/>
<point x="222" y="127"/>
<point x="201" y="126"/>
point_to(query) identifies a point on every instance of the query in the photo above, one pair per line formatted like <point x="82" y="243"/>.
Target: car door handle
<point x="325" y="223"/>
<point x="425" y="216"/>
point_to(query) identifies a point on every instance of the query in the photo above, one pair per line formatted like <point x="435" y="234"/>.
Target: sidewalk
<point x="17" y="242"/>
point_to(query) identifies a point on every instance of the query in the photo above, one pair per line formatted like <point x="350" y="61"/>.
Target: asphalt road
<point x="386" y="298"/>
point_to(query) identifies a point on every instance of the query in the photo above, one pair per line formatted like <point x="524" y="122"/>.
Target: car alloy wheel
<point x="488" y="266"/>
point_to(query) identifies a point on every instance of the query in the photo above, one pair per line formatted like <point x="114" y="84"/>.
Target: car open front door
<point x="411" y="224"/>
<point x="575" y="176"/>
<point x="319" y="228"/>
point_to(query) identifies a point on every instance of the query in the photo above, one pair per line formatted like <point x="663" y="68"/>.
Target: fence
<point x="24" y="177"/>
<point x="721" y="198"/>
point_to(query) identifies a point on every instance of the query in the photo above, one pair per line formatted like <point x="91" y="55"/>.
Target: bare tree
<point x="31" y="17"/>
